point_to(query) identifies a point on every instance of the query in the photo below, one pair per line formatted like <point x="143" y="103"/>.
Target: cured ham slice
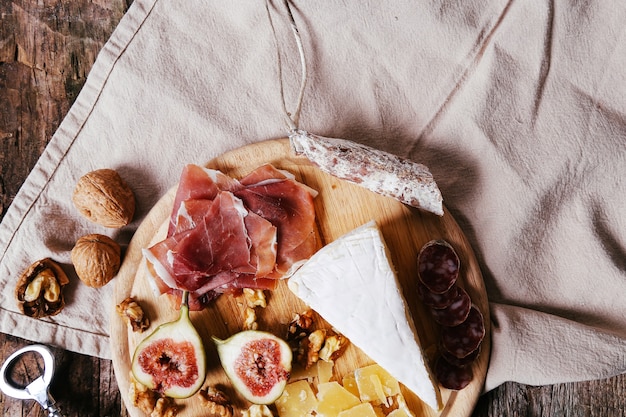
<point x="199" y="183"/>
<point x="226" y="234"/>
<point x="189" y="214"/>
<point x="293" y="218"/>
<point x="218" y="243"/>
<point x="287" y="204"/>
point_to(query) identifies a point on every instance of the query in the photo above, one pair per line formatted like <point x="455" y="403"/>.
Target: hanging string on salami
<point x="381" y="172"/>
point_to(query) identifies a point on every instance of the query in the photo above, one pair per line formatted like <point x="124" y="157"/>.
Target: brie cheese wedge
<point x="351" y="283"/>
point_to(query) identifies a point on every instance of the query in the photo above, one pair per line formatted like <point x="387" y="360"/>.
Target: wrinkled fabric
<point x="518" y="108"/>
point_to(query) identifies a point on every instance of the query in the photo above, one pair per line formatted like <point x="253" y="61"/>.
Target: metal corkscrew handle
<point x="36" y="390"/>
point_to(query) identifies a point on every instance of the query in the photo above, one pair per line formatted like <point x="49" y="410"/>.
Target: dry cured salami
<point x="462" y="323"/>
<point x="434" y="300"/>
<point x="456" y="312"/>
<point x="381" y="172"/>
<point x="462" y="340"/>
<point x="451" y="376"/>
<point x="438" y="266"/>
<point x="447" y="356"/>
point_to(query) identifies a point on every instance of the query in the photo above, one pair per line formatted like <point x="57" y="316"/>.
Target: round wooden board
<point x="340" y="207"/>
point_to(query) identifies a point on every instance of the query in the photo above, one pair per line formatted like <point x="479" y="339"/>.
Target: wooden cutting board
<point x="340" y="207"/>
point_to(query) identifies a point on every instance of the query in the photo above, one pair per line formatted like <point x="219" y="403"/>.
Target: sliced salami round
<point x="455" y="313"/>
<point x="451" y="376"/>
<point x="463" y="339"/>
<point x="453" y="360"/>
<point x="438" y="266"/>
<point x="434" y="300"/>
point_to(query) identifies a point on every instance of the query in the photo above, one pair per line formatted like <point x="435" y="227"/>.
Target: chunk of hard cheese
<point x="351" y="283"/>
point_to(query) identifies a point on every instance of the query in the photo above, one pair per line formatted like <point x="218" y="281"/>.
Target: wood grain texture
<point x="46" y="51"/>
<point x="340" y="207"/>
<point x="33" y="101"/>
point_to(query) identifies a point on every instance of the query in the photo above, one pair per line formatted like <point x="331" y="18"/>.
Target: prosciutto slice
<point x="199" y="183"/>
<point x="289" y="206"/>
<point x="226" y="234"/>
<point x="217" y="244"/>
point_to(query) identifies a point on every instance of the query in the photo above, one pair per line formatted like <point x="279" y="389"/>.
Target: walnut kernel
<point x="149" y="401"/>
<point x="254" y="298"/>
<point x="140" y="396"/>
<point x="133" y="314"/>
<point x="249" y="319"/>
<point x="103" y="197"/>
<point x="308" y="352"/>
<point x="165" y="407"/>
<point x="334" y="346"/>
<point x="97" y="259"/>
<point x="300" y="326"/>
<point x="216" y="402"/>
<point x="39" y="290"/>
<point x="257" y="410"/>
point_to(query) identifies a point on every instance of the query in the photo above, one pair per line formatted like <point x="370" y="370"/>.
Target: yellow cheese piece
<point x="332" y="398"/>
<point x="297" y="400"/>
<point x="361" y="410"/>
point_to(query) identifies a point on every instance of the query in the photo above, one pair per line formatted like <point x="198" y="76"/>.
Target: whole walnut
<point x="103" y="197"/>
<point x="97" y="259"/>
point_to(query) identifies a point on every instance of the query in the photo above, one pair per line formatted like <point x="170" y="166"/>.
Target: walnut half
<point x="149" y="401"/>
<point x="216" y="402"/>
<point x="39" y="291"/>
<point x="133" y="314"/>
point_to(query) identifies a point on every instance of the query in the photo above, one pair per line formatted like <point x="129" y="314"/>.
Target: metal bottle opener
<point x="38" y="389"/>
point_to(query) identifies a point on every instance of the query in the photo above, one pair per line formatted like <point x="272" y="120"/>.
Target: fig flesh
<point x="257" y="363"/>
<point x="171" y="360"/>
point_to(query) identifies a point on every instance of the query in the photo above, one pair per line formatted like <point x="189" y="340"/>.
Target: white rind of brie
<point x="351" y="283"/>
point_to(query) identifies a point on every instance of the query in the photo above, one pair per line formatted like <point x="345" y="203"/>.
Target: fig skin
<point x="257" y="363"/>
<point x="172" y="360"/>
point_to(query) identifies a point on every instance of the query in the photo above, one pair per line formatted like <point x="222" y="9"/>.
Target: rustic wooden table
<point x="46" y="50"/>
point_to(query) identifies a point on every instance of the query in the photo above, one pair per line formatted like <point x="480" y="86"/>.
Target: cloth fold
<point x="518" y="108"/>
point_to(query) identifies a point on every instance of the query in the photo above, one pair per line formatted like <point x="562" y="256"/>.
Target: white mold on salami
<point x="409" y="182"/>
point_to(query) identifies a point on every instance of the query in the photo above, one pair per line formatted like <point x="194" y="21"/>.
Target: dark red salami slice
<point x="434" y="300"/>
<point x="453" y="360"/>
<point x="438" y="266"/>
<point x="456" y="312"/>
<point x="463" y="339"/>
<point x="451" y="376"/>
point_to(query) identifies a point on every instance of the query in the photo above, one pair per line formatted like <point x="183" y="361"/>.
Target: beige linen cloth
<point x="518" y="107"/>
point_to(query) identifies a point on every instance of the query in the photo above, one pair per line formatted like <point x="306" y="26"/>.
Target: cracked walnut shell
<point x="39" y="290"/>
<point x="97" y="259"/>
<point x="103" y="197"/>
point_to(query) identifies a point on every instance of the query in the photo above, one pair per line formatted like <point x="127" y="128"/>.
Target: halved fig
<point x="171" y="360"/>
<point x="257" y="363"/>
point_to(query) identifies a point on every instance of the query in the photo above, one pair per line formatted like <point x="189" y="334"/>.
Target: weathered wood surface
<point x="46" y="50"/>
